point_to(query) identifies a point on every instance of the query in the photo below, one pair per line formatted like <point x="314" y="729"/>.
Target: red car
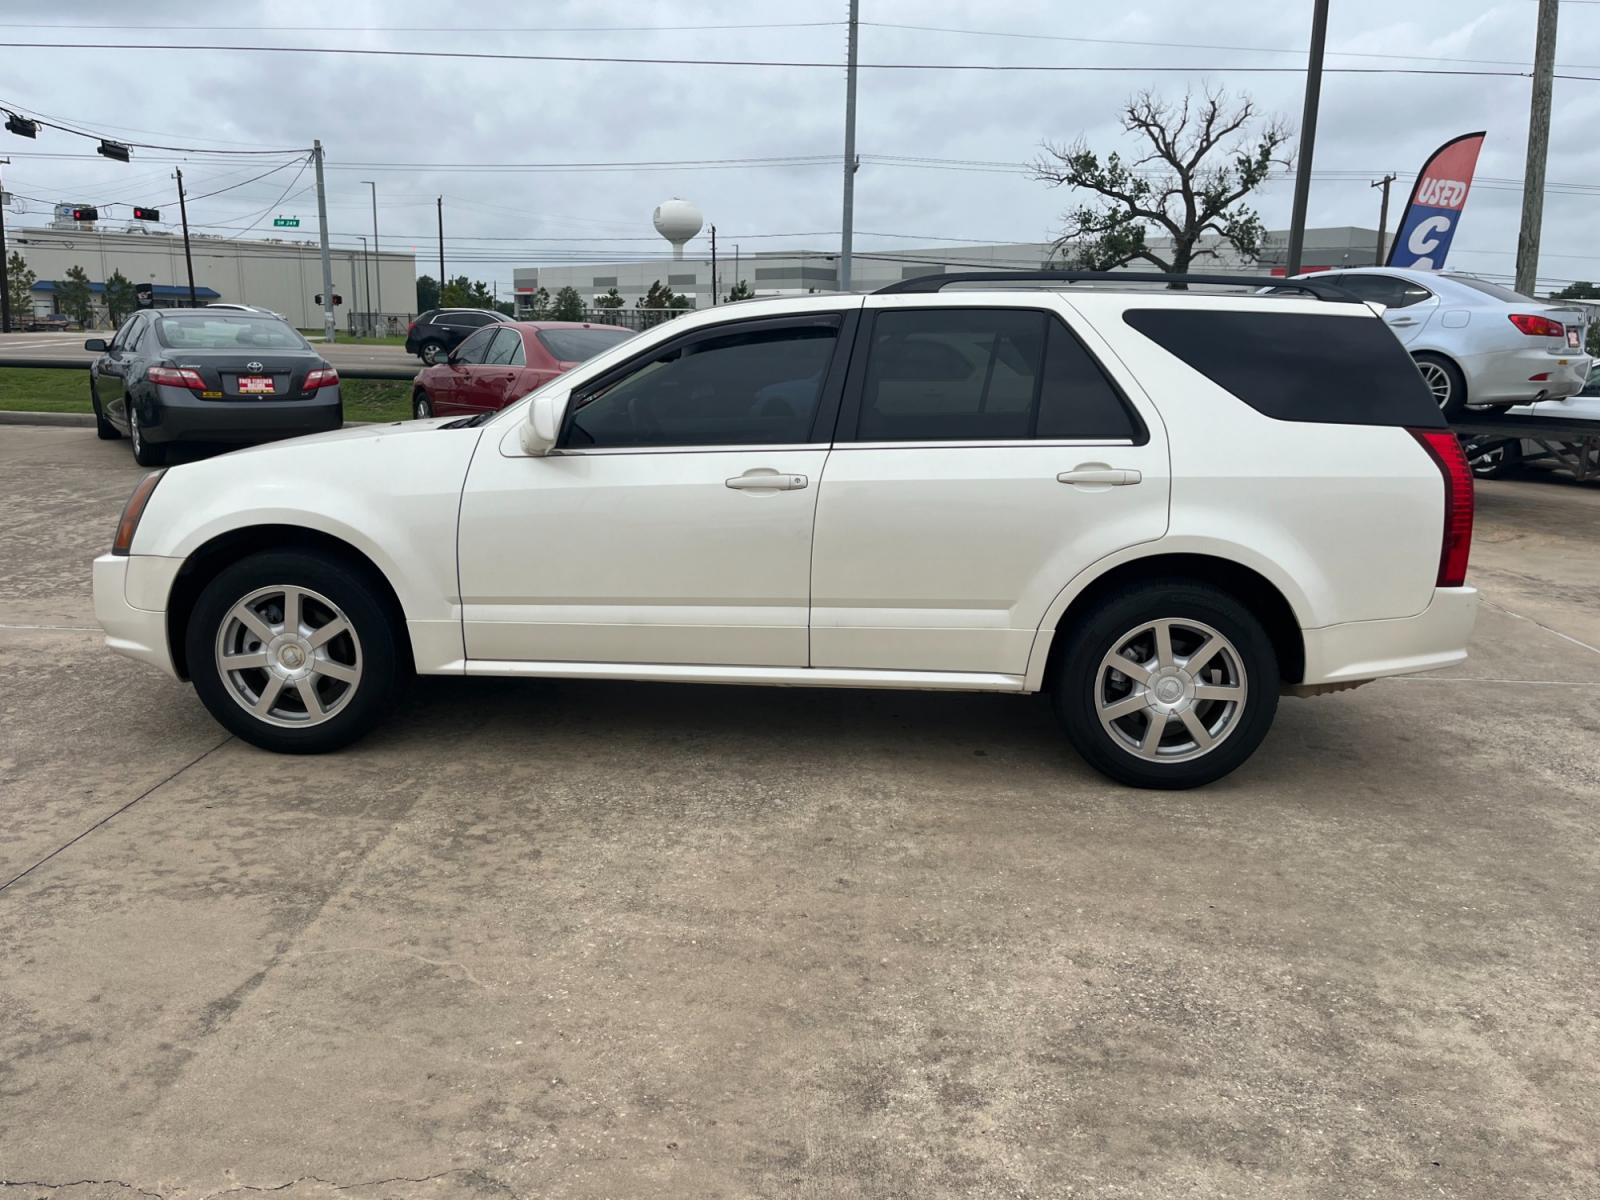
<point x="504" y="362"/>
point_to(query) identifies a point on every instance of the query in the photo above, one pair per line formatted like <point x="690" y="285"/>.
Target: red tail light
<point x="1456" y="543"/>
<point x="320" y="378"/>
<point x="1537" y="326"/>
<point x="177" y="377"/>
<point x="411" y="326"/>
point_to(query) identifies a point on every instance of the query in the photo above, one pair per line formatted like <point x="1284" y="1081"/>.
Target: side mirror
<point x="543" y="423"/>
<point x="96" y="344"/>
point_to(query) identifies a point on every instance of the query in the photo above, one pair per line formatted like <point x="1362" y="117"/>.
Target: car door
<point x="985" y="457"/>
<point x="499" y="381"/>
<point x="673" y="522"/>
<point x="1407" y="304"/>
<point x="111" y="370"/>
<point x="453" y="393"/>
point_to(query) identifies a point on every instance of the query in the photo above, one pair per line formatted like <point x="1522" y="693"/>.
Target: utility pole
<point x="847" y="222"/>
<point x="5" y="277"/>
<point x="1383" y="217"/>
<point x="1308" y="136"/>
<point x="188" y="259"/>
<point x="328" y="331"/>
<point x="440" y="203"/>
<point x="377" y="252"/>
<point x="1544" y="65"/>
<point x="714" y="288"/>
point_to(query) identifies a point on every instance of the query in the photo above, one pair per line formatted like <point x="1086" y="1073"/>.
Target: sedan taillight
<point x="1536" y="326"/>
<point x="320" y="378"/>
<point x="177" y="377"/>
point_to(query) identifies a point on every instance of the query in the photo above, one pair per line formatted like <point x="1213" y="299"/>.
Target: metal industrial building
<point x="279" y="274"/>
<point x="787" y="272"/>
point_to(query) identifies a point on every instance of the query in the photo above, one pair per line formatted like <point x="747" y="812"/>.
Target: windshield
<point x="1493" y="289"/>
<point x="228" y="331"/>
<point x="580" y="345"/>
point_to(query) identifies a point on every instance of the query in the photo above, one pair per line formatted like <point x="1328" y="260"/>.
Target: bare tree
<point x="1202" y="161"/>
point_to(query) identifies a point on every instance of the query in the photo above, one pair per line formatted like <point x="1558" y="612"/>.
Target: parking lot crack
<point x="340" y="1187"/>
<point x="37" y="1183"/>
<point x="155" y="787"/>
<point x="441" y="964"/>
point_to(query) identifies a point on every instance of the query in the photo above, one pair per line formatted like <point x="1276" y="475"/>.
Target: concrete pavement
<point x="587" y="940"/>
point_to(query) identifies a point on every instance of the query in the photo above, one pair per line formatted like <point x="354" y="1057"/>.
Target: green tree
<point x="538" y="306"/>
<point x="1582" y="290"/>
<point x="427" y="293"/>
<point x="611" y="300"/>
<point x="20" y="280"/>
<point x="568" y="305"/>
<point x="121" y="299"/>
<point x="741" y="291"/>
<point x="74" y="298"/>
<point x="505" y="308"/>
<point x="1190" y="182"/>
<point x="457" y="293"/>
<point x="658" y="302"/>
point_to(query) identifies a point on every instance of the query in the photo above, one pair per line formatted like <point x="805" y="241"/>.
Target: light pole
<point x="365" y="275"/>
<point x="377" y="259"/>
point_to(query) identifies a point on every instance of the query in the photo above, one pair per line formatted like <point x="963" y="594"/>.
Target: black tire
<point x="1496" y="460"/>
<point x="1445" y="380"/>
<point x="431" y="351"/>
<point x="381" y="661"/>
<point x="421" y="405"/>
<point x="145" y="452"/>
<point x="103" y="429"/>
<point x="1239" y="726"/>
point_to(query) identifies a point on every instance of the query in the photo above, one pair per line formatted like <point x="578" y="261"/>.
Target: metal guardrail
<point x="82" y="364"/>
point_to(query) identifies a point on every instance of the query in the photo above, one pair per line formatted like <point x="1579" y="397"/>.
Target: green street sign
<point x="286" y="222"/>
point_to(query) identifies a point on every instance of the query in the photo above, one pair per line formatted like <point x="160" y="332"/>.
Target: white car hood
<point x="366" y="431"/>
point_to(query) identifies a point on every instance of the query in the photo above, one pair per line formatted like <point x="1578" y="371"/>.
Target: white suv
<point x="1162" y="508"/>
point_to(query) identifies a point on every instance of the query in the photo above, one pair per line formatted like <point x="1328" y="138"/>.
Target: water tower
<point x="677" y="221"/>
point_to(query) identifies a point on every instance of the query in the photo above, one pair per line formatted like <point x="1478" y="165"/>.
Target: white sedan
<point x="1476" y="343"/>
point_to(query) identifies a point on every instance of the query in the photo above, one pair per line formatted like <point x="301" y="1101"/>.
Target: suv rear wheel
<point x="1167" y="685"/>
<point x="431" y="351"/>
<point x="293" y="651"/>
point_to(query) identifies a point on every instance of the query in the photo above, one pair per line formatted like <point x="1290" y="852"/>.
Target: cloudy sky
<point x="475" y="130"/>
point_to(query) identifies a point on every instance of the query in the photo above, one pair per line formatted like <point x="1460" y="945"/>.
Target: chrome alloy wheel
<point x="289" y="656"/>
<point x="1438" y="381"/>
<point x="1170" y="690"/>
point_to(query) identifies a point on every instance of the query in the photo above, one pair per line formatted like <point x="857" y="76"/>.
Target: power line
<point x="299" y="29"/>
<point x="488" y="56"/>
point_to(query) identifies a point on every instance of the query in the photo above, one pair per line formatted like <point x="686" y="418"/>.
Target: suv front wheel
<point x="1167" y="685"/>
<point x="293" y="651"/>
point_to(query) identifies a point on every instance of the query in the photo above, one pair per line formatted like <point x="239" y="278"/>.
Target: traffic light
<point x="146" y="214"/>
<point x="86" y="214"/>
<point x="22" y="127"/>
<point x="114" y="150"/>
<point x="337" y="299"/>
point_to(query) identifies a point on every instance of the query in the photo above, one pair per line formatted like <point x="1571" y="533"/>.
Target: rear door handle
<point x="1403" y="321"/>
<point x="763" y="480"/>
<point x="1097" y="476"/>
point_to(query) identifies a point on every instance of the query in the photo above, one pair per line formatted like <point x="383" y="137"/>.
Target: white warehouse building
<point x="790" y="272"/>
<point x="281" y="274"/>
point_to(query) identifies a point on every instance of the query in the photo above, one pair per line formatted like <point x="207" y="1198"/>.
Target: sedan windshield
<point x="580" y="345"/>
<point x="228" y="331"/>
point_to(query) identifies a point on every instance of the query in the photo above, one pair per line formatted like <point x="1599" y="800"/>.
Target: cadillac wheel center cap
<point x="292" y="657"/>
<point x="1169" y="691"/>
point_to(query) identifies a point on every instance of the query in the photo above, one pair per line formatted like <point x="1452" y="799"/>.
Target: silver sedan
<point x="1478" y="344"/>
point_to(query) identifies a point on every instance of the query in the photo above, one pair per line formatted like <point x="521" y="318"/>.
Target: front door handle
<point x="1095" y="475"/>
<point x="763" y="479"/>
<point x="1403" y="321"/>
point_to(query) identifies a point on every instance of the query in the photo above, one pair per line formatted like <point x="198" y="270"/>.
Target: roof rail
<point x="926" y="284"/>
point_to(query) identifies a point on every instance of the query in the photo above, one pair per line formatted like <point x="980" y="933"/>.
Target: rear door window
<point x="507" y="345"/>
<point x="1339" y="369"/>
<point x="998" y="374"/>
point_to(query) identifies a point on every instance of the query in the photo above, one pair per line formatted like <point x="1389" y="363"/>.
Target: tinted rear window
<point x="579" y="345"/>
<point x="1342" y="370"/>
<point x="1509" y="295"/>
